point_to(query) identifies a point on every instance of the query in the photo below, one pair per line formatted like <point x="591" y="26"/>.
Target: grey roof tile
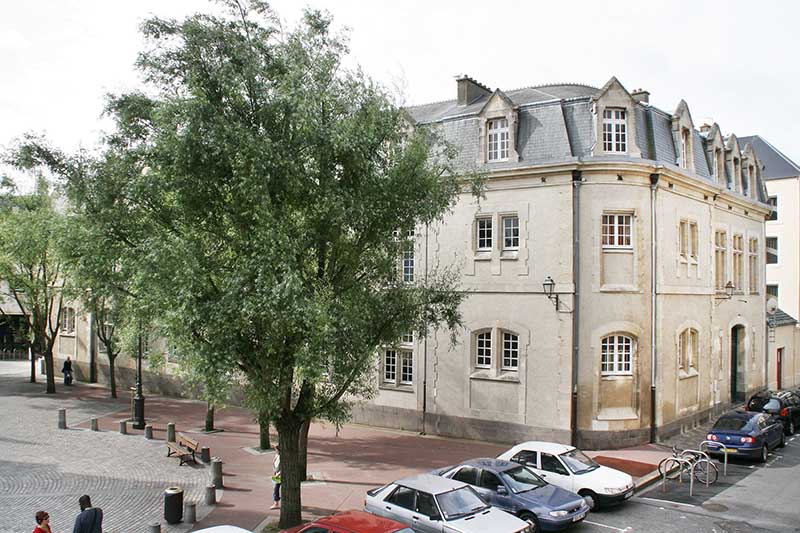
<point x="776" y="164"/>
<point x="782" y="318"/>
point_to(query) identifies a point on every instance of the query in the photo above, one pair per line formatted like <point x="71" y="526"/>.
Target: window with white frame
<point x="687" y="350"/>
<point x="497" y="140"/>
<point x="510" y="351"/>
<point x="688" y="239"/>
<point x="407" y="338"/>
<point x="717" y="164"/>
<point x="772" y="290"/>
<point x="773" y="203"/>
<point x="406" y="367"/>
<point x="389" y="366"/>
<point x="738" y="262"/>
<point x="616" y="355"/>
<point x="772" y="250"/>
<point x="685" y="147"/>
<point x="402" y="356"/>
<point x="720" y="259"/>
<point x="510" y="232"/>
<point x="615" y="132"/>
<point x="408" y="265"/>
<point x="68" y="320"/>
<point x="483" y="234"/>
<point x="617" y="231"/>
<point x="752" y="263"/>
<point x="483" y="350"/>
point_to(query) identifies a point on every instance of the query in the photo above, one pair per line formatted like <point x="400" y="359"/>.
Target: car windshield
<point x="460" y="502"/>
<point x="757" y="403"/>
<point x="578" y="462"/>
<point x="732" y="423"/>
<point x="521" y="479"/>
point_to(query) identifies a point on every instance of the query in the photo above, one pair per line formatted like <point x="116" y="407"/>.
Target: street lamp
<point x="728" y="293"/>
<point x="138" y="399"/>
<point x="549" y="285"/>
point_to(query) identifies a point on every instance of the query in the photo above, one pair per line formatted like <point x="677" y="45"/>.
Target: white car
<point x="569" y="468"/>
<point x="434" y="504"/>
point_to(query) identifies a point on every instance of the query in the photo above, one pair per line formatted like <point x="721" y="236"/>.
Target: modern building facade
<point x="614" y="268"/>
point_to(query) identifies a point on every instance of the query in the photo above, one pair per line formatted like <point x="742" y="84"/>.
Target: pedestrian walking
<point x="276" y="479"/>
<point x="90" y="519"/>
<point x="42" y="523"/>
<point x="67" y="371"/>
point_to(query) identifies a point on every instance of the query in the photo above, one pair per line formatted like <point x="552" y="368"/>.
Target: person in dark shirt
<point x="67" y="371"/>
<point x="90" y="520"/>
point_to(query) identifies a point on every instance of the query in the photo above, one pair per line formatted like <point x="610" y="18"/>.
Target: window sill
<point x="66" y="333"/>
<point x="398" y="388"/>
<point x="509" y="255"/>
<point x="692" y="373"/>
<point x="507" y="376"/>
<point x="619" y="288"/>
<point x="616" y="377"/>
<point x="618" y="413"/>
<point x="483" y="255"/>
<point x="614" y="250"/>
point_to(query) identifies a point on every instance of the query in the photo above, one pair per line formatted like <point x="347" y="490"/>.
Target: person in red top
<point x="43" y="523"/>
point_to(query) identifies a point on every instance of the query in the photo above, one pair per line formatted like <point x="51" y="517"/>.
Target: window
<point x="467" y="475"/>
<point x="68" y="320"/>
<point x="490" y="481"/>
<point x="401" y="355"/>
<point x="526" y="457"/>
<point x="772" y="290"/>
<point x="716" y="164"/>
<point x="616" y="355"/>
<point x="688" y="239"/>
<point x="510" y="233"/>
<point x="484" y="233"/>
<point x="550" y="463"/>
<point x="720" y="259"/>
<point x="390" y="366"/>
<point x="752" y="261"/>
<point x="406" y="368"/>
<point x="687" y="349"/>
<point x="510" y="351"/>
<point x="408" y="266"/>
<point x="497" y="149"/>
<point x="617" y="231"/>
<point x="425" y="505"/>
<point x="483" y="355"/>
<point x="685" y="146"/>
<point x="773" y="202"/>
<point x="772" y="250"/>
<point x="407" y="338"/>
<point x="737" y="175"/>
<point x="738" y="262"/>
<point x="402" y="497"/>
<point x="615" y="136"/>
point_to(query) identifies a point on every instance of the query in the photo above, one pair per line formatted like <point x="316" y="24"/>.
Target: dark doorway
<point x="738" y="388"/>
<point x="780" y="358"/>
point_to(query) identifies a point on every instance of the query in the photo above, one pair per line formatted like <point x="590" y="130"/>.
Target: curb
<point x="646" y="481"/>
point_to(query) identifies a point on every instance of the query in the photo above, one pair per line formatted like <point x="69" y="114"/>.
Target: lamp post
<point x="138" y="399"/>
<point x="549" y="285"/>
<point x="727" y="296"/>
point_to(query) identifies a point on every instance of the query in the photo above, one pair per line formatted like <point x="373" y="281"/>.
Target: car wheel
<point x="590" y="498"/>
<point x="790" y="429"/>
<point x="764" y="453"/>
<point x="782" y="443"/>
<point x="532" y="520"/>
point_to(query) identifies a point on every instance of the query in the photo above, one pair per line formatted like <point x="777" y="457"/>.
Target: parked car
<point x="351" y="522"/>
<point x="746" y="434"/>
<point x="430" y="503"/>
<point x="515" y="488"/>
<point x="785" y="404"/>
<point x="569" y="468"/>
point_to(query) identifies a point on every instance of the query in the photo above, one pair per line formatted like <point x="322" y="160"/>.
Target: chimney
<point x="705" y="125"/>
<point x="470" y="90"/>
<point x="641" y="96"/>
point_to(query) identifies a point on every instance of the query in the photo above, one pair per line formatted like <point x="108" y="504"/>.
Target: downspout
<point x="653" y="312"/>
<point x="576" y="263"/>
<point x="425" y="347"/>
<point x="92" y="349"/>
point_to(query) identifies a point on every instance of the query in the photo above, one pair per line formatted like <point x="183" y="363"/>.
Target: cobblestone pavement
<point x="44" y="468"/>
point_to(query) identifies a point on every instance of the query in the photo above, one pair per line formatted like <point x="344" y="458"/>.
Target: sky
<point x="733" y="62"/>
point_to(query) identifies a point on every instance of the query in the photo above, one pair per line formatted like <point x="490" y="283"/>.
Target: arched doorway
<point x="738" y="383"/>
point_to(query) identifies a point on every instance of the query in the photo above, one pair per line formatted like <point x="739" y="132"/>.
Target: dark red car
<point x="351" y="522"/>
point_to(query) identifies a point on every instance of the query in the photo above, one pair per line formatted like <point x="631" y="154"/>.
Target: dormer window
<point x="497" y="139"/>
<point x="717" y="164"/>
<point x="685" y="147"/>
<point x="615" y="136"/>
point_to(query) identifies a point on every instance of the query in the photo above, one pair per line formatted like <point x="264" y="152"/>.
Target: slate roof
<point x="776" y="164"/>
<point x="555" y="125"/>
<point x="782" y="318"/>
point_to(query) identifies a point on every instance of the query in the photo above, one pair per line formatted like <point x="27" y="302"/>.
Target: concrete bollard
<point x="211" y="495"/>
<point x="93" y="424"/>
<point x="205" y="454"/>
<point x="190" y="513"/>
<point x="154" y="528"/>
<point x="171" y="432"/>
<point x="216" y="472"/>
<point x="123" y="427"/>
<point x="62" y="419"/>
<point x="148" y="432"/>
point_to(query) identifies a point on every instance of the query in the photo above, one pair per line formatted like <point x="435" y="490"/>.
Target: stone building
<point x="614" y="267"/>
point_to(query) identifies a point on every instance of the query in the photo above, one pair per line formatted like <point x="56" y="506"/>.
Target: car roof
<point x="546" y="447"/>
<point x="489" y="463"/>
<point x="361" y="521"/>
<point x="746" y="415"/>
<point x="430" y="483"/>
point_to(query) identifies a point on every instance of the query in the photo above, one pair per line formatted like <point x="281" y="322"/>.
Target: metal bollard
<point x="216" y="472"/>
<point x="148" y="432"/>
<point x="62" y="419"/>
<point x="211" y="495"/>
<point x="205" y="454"/>
<point x="93" y="424"/>
<point x="154" y="528"/>
<point x="171" y="432"/>
<point x="190" y="513"/>
<point x="123" y="428"/>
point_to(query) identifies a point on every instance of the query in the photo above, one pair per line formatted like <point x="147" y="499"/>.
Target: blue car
<point x="517" y="489"/>
<point x="747" y="434"/>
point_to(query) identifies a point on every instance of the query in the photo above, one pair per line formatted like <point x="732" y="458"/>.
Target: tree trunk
<point x="51" y="380"/>
<point x="33" y="365"/>
<point x="289" y="439"/>
<point x="112" y="375"/>
<point x="263" y="431"/>
<point x="303" y="445"/>
<point x="209" y="417"/>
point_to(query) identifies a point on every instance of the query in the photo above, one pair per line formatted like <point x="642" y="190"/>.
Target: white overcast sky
<point x="734" y="62"/>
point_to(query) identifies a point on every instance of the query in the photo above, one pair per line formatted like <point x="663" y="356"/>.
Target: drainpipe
<point x="425" y="348"/>
<point x="576" y="263"/>
<point x="653" y="292"/>
<point x="92" y="349"/>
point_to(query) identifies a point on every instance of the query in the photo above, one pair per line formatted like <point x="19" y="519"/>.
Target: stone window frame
<point x="496" y="369"/>
<point x="507" y="110"/>
<point x="615" y="126"/>
<point x="616" y="234"/>
<point x="616" y="360"/>
<point x="503" y="218"/>
<point x="686" y="361"/>
<point x="737" y="262"/>
<point x="720" y="251"/>
<point x="688" y="241"/>
<point x="752" y="263"/>
<point x="67" y="321"/>
<point x="496" y="144"/>
<point x="477" y="232"/>
<point x="403" y="349"/>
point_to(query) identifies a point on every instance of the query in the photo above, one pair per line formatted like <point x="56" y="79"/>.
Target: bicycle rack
<point x="680" y="461"/>
<point x="724" y="453"/>
<point x="694" y="461"/>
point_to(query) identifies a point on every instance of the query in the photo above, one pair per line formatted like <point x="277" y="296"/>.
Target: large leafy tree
<point x="259" y="187"/>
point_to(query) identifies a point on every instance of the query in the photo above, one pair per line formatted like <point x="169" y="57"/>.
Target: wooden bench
<point x="185" y="448"/>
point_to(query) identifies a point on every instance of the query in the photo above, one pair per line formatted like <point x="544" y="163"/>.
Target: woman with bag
<point x="276" y="479"/>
